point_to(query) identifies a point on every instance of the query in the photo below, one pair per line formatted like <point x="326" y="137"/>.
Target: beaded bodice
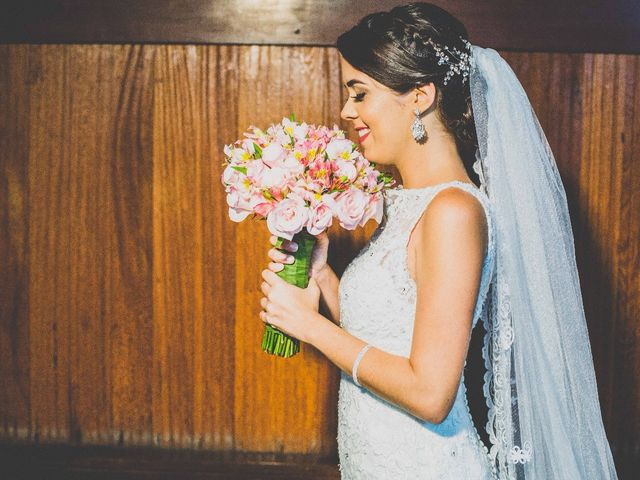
<point x="377" y="293"/>
<point x="377" y="304"/>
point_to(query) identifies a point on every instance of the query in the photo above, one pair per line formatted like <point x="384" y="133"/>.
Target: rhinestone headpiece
<point x="459" y="62"/>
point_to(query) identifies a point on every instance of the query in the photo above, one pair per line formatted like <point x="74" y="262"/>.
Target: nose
<point x="348" y="112"/>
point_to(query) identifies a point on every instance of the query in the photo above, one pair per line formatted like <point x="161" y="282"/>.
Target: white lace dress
<point x="377" y="439"/>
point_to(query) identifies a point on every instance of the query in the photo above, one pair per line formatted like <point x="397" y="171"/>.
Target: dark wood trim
<point x="21" y="461"/>
<point x="611" y="26"/>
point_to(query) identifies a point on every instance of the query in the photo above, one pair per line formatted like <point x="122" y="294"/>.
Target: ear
<point x="424" y="97"/>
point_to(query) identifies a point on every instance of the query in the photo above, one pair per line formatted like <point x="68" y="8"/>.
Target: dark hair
<point x="393" y="48"/>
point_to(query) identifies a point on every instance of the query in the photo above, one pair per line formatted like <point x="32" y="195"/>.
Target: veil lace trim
<point x="498" y="382"/>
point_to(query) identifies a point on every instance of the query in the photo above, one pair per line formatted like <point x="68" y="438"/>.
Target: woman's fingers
<point x="288" y="245"/>
<point x="263" y="313"/>
<point x="278" y="256"/>
<point x="275" y="254"/>
<point x="275" y="267"/>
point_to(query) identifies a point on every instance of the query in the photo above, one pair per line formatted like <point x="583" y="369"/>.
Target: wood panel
<point x="193" y="317"/>
<point x="49" y="248"/>
<point x="544" y="25"/>
<point x="142" y="296"/>
<point x="15" y="338"/>
<point x="126" y="149"/>
<point x="609" y="202"/>
<point x="129" y="312"/>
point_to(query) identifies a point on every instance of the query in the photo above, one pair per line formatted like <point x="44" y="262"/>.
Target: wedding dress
<point x="377" y="439"/>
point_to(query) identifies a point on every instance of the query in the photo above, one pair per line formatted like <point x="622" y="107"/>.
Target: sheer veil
<point x="544" y="413"/>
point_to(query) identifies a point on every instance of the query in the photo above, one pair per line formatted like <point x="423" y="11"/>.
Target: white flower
<point x="273" y="154"/>
<point x="275" y="177"/>
<point x="340" y="148"/>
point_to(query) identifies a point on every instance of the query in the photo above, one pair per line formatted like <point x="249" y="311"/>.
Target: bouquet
<point x="299" y="177"/>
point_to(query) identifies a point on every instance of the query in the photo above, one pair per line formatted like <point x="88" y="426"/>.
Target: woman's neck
<point x="436" y="161"/>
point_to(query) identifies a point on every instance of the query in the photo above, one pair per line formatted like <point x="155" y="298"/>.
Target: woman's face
<point x="381" y="116"/>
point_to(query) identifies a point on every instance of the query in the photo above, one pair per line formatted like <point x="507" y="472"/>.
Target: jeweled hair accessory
<point x="459" y="62"/>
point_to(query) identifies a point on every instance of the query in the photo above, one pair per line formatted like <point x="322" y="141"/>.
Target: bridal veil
<point x="544" y="413"/>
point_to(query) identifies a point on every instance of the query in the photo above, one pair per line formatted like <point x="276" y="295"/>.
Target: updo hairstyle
<point x="396" y="49"/>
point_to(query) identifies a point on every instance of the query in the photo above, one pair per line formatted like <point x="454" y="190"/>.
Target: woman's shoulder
<point x="459" y="201"/>
<point x="456" y="211"/>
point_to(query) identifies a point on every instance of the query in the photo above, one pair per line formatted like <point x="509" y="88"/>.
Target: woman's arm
<point x="450" y="243"/>
<point x="329" y="282"/>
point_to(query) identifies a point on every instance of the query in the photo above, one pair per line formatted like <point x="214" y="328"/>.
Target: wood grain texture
<point x="129" y="312"/>
<point x="15" y="336"/>
<point x="126" y="147"/>
<point x="609" y="201"/>
<point x="48" y="178"/>
<point x="544" y="25"/>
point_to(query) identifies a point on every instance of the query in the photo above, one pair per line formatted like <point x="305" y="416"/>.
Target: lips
<point x="363" y="133"/>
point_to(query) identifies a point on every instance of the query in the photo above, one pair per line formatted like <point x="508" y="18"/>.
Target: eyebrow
<point x="353" y="82"/>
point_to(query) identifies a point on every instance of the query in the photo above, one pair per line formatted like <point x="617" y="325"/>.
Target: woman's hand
<point x="319" y="255"/>
<point x="290" y="309"/>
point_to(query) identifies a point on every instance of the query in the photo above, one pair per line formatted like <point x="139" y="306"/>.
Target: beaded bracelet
<point x="354" y="370"/>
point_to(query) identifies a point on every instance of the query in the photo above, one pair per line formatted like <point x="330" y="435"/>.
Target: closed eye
<point x="359" y="97"/>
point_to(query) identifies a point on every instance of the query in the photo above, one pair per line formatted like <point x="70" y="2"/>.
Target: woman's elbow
<point x="433" y="412"/>
<point x="436" y="418"/>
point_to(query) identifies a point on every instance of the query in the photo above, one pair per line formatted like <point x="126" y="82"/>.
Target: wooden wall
<point x="611" y="26"/>
<point x="128" y="299"/>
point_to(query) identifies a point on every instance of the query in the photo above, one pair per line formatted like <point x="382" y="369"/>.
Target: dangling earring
<point x="417" y="129"/>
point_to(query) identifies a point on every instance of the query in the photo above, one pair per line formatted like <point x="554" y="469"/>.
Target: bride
<point x="479" y="230"/>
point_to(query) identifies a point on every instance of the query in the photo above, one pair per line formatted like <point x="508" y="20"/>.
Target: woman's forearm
<point x="387" y="375"/>
<point x="329" y="282"/>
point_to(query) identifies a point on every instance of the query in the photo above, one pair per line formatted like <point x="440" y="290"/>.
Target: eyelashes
<point x="359" y="97"/>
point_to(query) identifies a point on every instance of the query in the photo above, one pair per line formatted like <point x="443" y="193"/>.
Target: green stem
<point x="274" y="341"/>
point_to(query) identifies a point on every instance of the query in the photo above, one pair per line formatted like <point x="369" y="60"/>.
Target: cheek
<point x="389" y="129"/>
<point x="388" y="125"/>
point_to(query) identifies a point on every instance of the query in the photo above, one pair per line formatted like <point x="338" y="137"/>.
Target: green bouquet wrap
<point x="274" y="341"/>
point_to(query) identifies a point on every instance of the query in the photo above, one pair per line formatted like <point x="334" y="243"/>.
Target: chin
<point x="368" y="152"/>
<point x="372" y="157"/>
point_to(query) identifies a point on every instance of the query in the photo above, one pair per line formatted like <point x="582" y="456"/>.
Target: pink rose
<point x="288" y="217"/>
<point x="374" y="209"/>
<point x="263" y="208"/>
<point x="351" y="205"/>
<point x="240" y="204"/>
<point x="320" y="216"/>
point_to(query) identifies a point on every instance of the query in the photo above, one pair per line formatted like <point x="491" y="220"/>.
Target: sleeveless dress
<point x="377" y="439"/>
